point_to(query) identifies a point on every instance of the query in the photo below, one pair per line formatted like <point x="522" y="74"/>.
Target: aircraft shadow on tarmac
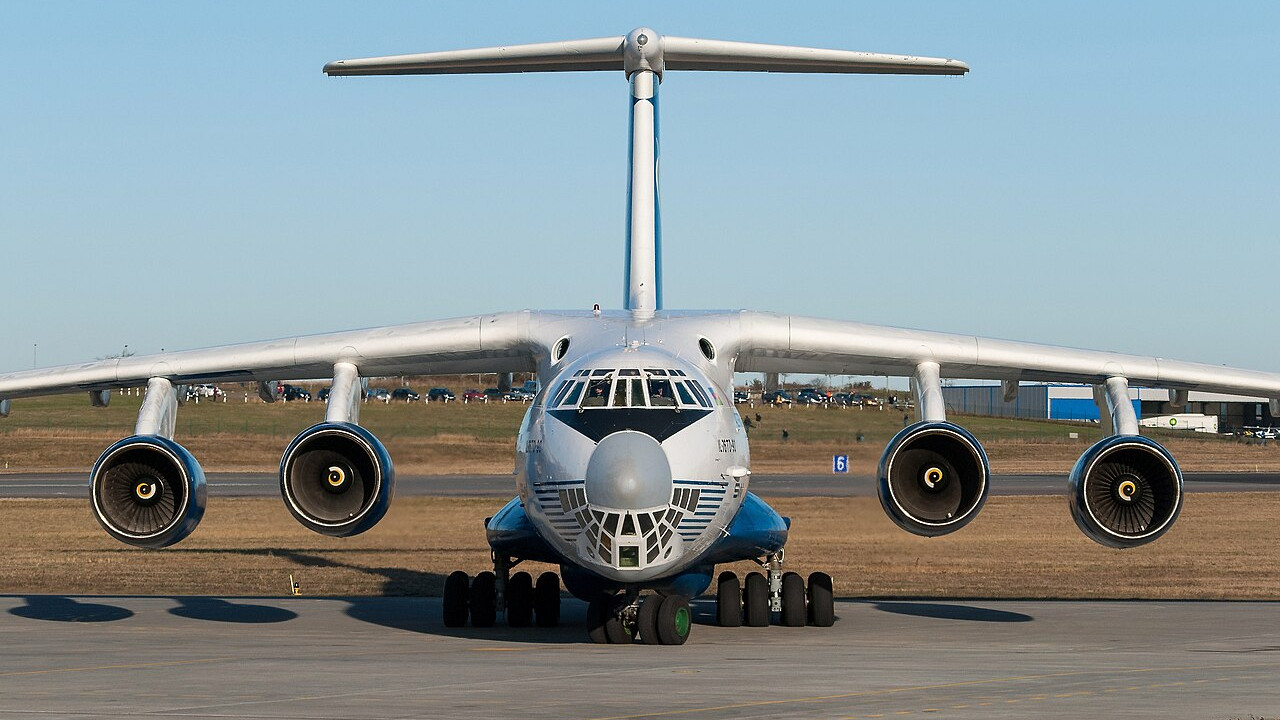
<point x="951" y="611"/>
<point x="57" y="608"/>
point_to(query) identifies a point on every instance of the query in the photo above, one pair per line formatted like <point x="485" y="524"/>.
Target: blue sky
<point x="183" y="175"/>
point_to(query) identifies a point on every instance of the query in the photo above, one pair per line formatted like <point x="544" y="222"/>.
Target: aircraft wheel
<point x="546" y="600"/>
<point x="822" y="604"/>
<point x="755" y="601"/>
<point x="675" y="620"/>
<point x="647" y="620"/>
<point x="455" y="599"/>
<point x="520" y="600"/>
<point x="598" y="611"/>
<point x="728" y="600"/>
<point x="793" y="610"/>
<point x="484" y="600"/>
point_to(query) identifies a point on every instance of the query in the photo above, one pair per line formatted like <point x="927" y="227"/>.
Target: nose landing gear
<point x="656" y="619"/>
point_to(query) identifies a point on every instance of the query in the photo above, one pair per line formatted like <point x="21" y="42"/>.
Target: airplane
<point x="633" y="467"/>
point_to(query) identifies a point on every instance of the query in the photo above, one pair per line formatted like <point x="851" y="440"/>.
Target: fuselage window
<point x="597" y="393"/>
<point x="572" y="398"/>
<point x="598" y="373"/>
<point x="660" y="394"/>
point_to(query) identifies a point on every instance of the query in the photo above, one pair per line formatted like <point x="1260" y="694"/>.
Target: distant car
<point x="494" y="394"/>
<point x="531" y="387"/>
<point x="741" y="396"/>
<point x="204" y="391"/>
<point x="811" y="396"/>
<point x="323" y="394"/>
<point x="405" y="394"/>
<point x="380" y="394"/>
<point x="777" y="397"/>
<point x="520" y="394"/>
<point x="439" y="393"/>
<point x="293" y="392"/>
<point x="870" y="400"/>
<point x="473" y="394"/>
<point x="844" y="399"/>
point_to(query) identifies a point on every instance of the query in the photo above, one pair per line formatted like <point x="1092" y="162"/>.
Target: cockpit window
<point x="597" y="392"/>
<point x="701" y="395"/>
<point x="572" y="398"/>
<point x="685" y="397"/>
<point x="660" y="394"/>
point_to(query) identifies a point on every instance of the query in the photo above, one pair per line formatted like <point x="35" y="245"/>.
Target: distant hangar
<point x="1076" y="402"/>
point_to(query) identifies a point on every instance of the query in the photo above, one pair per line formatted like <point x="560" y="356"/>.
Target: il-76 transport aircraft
<point x="632" y="470"/>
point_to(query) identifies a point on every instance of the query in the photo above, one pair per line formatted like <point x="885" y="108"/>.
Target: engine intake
<point x="147" y="491"/>
<point x="933" y="478"/>
<point x="1126" y="491"/>
<point x="337" y="479"/>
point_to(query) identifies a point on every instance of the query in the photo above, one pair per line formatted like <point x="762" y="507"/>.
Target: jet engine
<point x="148" y="491"/>
<point x="933" y="478"/>
<point x="337" y="479"/>
<point x="1126" y="491"/>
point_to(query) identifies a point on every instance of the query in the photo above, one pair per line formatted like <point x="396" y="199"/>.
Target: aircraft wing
<point x="788" y="343"/>
<point x="482" y="343"/>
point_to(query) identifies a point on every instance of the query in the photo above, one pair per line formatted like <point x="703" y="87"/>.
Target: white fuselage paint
<point x="553" y="457"/>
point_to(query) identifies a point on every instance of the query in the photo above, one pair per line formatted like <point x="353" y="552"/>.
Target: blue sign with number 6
<point x="840" y="463"/>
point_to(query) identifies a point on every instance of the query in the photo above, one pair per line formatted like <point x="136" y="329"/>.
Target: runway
<point x="202" y="657"/>
<point x="268" y="485"/>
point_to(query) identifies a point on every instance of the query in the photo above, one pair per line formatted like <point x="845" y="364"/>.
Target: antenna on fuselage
<point x="644" y="56"/>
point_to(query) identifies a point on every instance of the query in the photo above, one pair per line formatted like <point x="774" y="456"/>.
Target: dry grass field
<point x="1018" y="547"/>
<point x="1222" y="547"/>
<point x="62" y="433"/>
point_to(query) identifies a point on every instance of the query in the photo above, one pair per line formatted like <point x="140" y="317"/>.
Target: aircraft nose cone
<point x="628" y="469"/>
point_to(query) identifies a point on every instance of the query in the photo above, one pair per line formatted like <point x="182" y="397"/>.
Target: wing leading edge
<point x="481" y="343"/>
<point x="788" y="343"/>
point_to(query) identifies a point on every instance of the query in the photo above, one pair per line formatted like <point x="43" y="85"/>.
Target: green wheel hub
<point x="683" y="620"/>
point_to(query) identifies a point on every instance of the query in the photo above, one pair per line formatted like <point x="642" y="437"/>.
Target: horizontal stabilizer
<point x="645" y="49"/>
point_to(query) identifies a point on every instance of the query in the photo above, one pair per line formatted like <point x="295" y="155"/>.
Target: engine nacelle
<point x="1126" y="491"/>
<point x="337" y="479"/>
<point x="147" y="491"/>
<point x="933" y="478"/>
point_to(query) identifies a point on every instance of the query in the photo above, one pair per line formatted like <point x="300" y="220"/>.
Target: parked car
<point x="381" y="394"/>
<point x="843" y="399"/>
<point x="323" y="394"/>
<point x="741" y="396"/>
<point x="473" y="395"/>
<point x="531" y="387"/>
<point x="495" y="394"/>
<point x="870" y="400"/>
<point x="293" y="392"/>
<point x="439" y="393"/>
<point x="405" y="394"/>
<point x="204" y="391"/>
<point x="777" y="397"/>
<point x="520" y="394"/>
<point x="811" y="396"/>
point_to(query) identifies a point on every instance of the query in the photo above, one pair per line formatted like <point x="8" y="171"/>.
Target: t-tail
<point x="645" y="56"/>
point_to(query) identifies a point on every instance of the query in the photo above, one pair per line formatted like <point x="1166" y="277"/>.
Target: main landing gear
<point x="754" y="601"/>
<point x="656" y="619"/>
<point x="482" y="598"/>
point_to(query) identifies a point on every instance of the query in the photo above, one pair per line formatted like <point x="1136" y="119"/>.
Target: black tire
<point x="520" y="600"/>
<point x="597" y="614"/>
<point x="647" y="620"/>
<point x="675" y="620"/>
<point x="615" y="631"/>
<point x="484" y="600"/>
<point x="822" y="603"/>
<point x="793" y="609"/>
<point x="755" y="601"/>
<point x="456" y="589"/>
<point x="728" y="600"/>
<point x="546" y="600"/>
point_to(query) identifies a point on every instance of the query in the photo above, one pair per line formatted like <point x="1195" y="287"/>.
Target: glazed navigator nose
<point x="628" y="470"/>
